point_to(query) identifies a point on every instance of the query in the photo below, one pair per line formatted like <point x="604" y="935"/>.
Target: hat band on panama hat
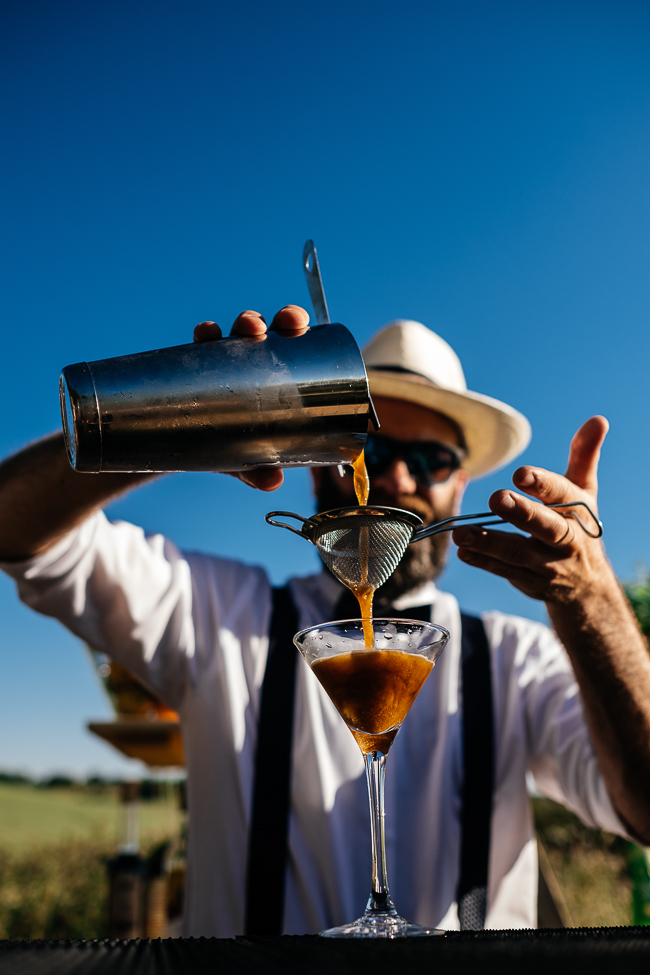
<point x="411" y="372"/>
<point x="494" y="432"/>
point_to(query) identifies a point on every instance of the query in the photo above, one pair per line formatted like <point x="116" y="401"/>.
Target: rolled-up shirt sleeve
<point x="540" y="700"/>
<point x="125" y="593"/>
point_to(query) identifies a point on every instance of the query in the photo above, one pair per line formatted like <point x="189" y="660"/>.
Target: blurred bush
<point x="639" y="595"/>
<point x="590" y="866"/>
<point x="55" y="891"/>
<point x="56" y="782"/>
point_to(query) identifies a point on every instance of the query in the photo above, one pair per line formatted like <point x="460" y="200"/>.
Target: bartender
<point x="571" y="704"/>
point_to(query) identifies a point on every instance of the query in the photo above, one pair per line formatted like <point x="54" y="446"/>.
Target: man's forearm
<point x="611" y="661"/>
<point x="42" y="497"/>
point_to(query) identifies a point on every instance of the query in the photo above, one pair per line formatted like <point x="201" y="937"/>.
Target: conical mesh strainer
<point x="363" y="550"/>
<point x="362" y="546"/>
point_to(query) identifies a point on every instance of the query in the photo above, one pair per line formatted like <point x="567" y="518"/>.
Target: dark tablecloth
<point x="625" y="951"/>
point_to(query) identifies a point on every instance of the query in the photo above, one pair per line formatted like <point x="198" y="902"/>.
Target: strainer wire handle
<point x="448" y="524"/>
<point x="270" y="519"/>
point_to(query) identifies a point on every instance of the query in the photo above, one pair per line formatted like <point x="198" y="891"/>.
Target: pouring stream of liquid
<point x="361" y="479"/>
<point x="363" y="591"/>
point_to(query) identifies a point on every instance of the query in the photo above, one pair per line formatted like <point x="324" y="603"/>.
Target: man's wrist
<point x="594" y="578"/>
<point x="594" y="608"/>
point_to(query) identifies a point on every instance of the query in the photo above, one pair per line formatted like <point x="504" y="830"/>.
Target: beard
<point x="423" y="561"/>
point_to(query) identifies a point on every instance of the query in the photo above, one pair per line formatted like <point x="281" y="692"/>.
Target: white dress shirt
<point x="195" y="628"/>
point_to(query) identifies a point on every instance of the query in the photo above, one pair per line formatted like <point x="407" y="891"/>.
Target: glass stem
<point x="380" y="899"/>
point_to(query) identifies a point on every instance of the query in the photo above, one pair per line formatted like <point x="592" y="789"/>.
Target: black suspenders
<point x="478" y="777"/>
<point x="269" y="833"/>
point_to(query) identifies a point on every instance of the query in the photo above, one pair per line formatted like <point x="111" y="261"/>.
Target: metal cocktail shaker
<point x="278" y="400"/>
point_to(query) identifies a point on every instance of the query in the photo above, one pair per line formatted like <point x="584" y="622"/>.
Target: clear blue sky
<point x="482" y="167"/>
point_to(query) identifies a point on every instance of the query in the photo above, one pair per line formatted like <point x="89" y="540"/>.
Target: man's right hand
<point x="291" y="320"/>
<point x="42" y="498"/>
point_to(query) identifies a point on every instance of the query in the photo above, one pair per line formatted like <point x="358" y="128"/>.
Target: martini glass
<point x="373" y="690"/>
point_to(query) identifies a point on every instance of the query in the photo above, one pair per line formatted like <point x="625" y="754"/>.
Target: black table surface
<point x="625" y="951"/>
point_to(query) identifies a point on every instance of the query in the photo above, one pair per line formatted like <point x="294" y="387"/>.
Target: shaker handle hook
<point x="311" y="268"/>
<point x="270" y="520"/>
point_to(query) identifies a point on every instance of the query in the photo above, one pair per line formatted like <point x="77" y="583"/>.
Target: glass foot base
<point x="381" y="925"/>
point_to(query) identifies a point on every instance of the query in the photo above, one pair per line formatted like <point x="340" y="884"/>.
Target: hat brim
<point x="494" y="432"/>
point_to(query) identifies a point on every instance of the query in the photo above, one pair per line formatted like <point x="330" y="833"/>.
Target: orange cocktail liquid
<point x="361" y="479"/>
<point x="363" y="591"/>
<point x="373" y="691"/>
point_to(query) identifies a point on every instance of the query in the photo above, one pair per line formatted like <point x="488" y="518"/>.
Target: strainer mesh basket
<point x="363" y="550"/>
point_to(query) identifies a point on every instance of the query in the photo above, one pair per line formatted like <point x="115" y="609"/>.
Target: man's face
<point x="396" y="488"/>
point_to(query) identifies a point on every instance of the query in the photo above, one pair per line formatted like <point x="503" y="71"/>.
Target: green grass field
<point x="55" y="891"/>
<point x="32" y="816"/>
<point x="54" y="843"/>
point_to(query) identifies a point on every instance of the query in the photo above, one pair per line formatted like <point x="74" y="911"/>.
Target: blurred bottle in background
<point x="166" y="868"/>
<point x="177" y="870"/>
<point x="127" y="871"/>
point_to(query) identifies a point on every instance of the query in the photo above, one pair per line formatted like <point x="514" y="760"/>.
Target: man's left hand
<point x="566" y="568"/>
<point x="558" y="562"/>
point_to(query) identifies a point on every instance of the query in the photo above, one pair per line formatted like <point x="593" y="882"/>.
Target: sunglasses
<point x="428" y="462"/>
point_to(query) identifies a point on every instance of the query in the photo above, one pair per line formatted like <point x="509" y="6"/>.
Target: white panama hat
<point x="407" y="361"/>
